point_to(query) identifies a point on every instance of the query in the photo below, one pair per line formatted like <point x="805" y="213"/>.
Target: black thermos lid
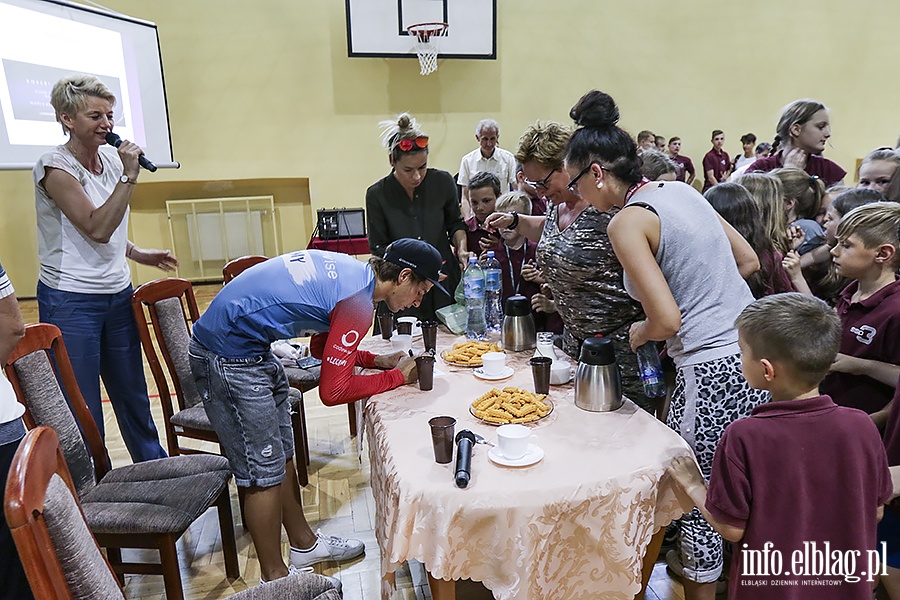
<point x="518" y="306"/>
<point x="598" y="351"/>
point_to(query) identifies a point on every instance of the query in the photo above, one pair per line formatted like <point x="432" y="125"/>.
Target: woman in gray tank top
<point x="686" y="266"/>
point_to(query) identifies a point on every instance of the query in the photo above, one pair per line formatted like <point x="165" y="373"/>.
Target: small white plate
<point x="533" y="455"/>
<point x="506" y="373"/>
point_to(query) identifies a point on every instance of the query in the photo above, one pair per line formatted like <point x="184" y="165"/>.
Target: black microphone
<point x="114" y="140"/>
<point x="465" y="440"/>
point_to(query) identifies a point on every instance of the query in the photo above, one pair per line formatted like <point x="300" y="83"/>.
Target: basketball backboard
<point x="377" y="28"/>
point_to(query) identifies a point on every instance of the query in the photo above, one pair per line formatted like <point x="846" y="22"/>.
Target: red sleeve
<point x="689" y="167"/>
<point x="338" y="383"/>
<point x="709" y="162"/>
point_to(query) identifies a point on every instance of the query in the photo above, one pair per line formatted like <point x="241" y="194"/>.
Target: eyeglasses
<point x="543" y="182"/>
<point x="574" y="183"/>
<point x="407" y="144"/>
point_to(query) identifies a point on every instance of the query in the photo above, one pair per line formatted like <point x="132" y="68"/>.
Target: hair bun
<point x="405" y="122"/>
<point x="595" y="109"/>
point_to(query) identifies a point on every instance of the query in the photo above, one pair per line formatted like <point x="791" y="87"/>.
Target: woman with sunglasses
<point x="416" y="202"/>
<point x="574" y="254"/>
<point x="687" y="267"/>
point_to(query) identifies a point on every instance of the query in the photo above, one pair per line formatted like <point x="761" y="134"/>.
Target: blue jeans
<point x="102" y="340"/>
<point x="247" y="402"/>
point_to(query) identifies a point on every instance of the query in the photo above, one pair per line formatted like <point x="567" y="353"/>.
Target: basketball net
<point x="427" y="37"/>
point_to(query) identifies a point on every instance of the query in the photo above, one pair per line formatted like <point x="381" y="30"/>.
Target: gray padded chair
<point x="60" y="556"/>
<point x="144" y="505"/>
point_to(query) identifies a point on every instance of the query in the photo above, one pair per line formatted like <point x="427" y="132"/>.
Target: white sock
<point x="310" y="549"/>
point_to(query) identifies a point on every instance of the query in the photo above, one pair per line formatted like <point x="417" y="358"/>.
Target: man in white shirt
<point x="488" y="157"/>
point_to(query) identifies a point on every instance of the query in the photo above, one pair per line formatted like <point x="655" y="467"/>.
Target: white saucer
<point x="533" y="455"/>
<point x="506" y="373"/>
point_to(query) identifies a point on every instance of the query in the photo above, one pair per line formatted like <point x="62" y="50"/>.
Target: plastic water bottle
<point x="473" y="284"/>
<point x="493" y="292"/>
<point x="650" y="370"/>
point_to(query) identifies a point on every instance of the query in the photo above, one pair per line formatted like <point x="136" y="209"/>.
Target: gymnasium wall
<point x="265" y="89"/>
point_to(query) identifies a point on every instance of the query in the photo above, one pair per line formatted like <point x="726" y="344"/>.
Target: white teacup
<point x="513" y="440"/>
<point x="401" y="343"/>
<point x="560" y="372"/>
<point x="493" y="363"/>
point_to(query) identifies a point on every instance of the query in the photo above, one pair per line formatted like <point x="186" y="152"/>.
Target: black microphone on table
<point x="465" y="441"/>
<point x="114" y="140"/>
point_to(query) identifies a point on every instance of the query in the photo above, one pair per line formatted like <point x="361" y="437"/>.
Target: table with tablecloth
<point x="574" y="525"/>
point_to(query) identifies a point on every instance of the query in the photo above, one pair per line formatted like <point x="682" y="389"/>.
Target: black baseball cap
<point x="421" y="257"/>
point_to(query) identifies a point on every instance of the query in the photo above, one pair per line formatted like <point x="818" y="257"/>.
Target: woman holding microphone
<point x="82" y="193"/>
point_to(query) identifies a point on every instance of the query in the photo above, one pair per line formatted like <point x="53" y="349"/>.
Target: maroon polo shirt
<point x="718" y="162"/>
<point x="684" y="165"/>
<point x="474" y="234"/>
<point x="892" y="430"/>
<point x="511" y="264"/>
<point x="794" y="472"/>
<point x="827" y="170"/>
<point x="538" y="206"/>
<point x="870" y="329"/>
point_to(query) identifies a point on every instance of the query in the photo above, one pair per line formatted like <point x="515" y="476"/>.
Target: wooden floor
<point x="338" y="500"/>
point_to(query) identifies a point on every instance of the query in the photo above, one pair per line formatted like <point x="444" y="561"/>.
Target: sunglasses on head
<point x="407" y="144"/>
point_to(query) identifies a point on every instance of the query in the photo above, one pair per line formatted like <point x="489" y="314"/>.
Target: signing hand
<point x="407" y="367"/>
<point x="795" y="236"/>
<point x="389" y="361"/>
<point x="161" y="259"/>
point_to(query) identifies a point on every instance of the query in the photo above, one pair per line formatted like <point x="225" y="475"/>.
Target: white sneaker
<point x="292" y="570"/>
<point x="327" y="547"/>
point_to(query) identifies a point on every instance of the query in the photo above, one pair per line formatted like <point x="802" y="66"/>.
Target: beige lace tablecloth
<point x="574" y="525"/>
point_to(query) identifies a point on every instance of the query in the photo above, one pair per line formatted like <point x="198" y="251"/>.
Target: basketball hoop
<point x="427" y="35"/>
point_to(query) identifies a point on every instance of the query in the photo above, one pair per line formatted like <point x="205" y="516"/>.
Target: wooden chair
<point x="60" y="556"/>
<point x="301" y="379"/>
<point x="172" y="309"/>
<point x="144" y="505"/>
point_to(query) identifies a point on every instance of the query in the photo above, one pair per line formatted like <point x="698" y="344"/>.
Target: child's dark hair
<point x="598" y="138"/>
<point x="484" y="179"/>
<point x="740" y="209"/>
<point x="807" y="190"/>
<point x="854" y="198"/>
<point x="794" y="330"/>
<point x="748" y="138"/>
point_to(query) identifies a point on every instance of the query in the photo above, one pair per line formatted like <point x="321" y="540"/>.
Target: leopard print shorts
<point x="707" y="397"/>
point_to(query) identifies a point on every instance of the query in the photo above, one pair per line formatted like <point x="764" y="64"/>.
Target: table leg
<point x="351" y="417"/>
<point x="441" y="589"/>
<point x="650" y="560"/>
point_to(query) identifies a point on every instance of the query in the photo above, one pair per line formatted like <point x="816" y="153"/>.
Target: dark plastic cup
<point x="540" y="371"/>
<point x="442" y="438"/>
<point x="404" y="328"/>
<point x="429" y="335"/>
<point x="425" y="369"/>
<point x="386" y="324"/>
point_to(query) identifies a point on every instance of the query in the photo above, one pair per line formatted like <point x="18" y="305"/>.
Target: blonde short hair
<point x="782" y="327"/>
<point x="876" y="224"/>
<point x="544" y="142"/>
<point x="70" y="94"/>
<point x="517" y="201"/>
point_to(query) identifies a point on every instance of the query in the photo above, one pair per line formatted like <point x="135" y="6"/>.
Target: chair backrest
<point x="37" y="384"/>
<point x="172" y="309"/>
<point x="237" y="266"/>
<point x="59" y="554"/>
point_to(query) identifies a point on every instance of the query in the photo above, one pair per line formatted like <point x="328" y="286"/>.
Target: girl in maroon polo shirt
<point x="803" y="130"/>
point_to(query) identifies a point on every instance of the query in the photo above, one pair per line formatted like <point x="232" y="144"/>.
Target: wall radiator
<point x="208" y="233"/>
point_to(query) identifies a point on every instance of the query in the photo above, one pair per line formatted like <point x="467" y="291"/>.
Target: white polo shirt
<point x="502" y="164"/>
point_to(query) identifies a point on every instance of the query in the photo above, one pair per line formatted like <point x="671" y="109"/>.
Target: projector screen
<point x="42" y="41"/>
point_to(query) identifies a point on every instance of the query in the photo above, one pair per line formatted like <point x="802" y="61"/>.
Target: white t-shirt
<point x="502" y="164"/>
<point x="744" y="161"/>
<point x="71" y="261"/>
<point x="10" y="409"/>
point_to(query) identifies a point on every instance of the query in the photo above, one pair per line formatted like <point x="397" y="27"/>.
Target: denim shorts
<point x="246" y="400"/>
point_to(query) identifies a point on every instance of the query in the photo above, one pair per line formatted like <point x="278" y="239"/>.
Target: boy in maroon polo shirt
<point x="866" y="370"/>
<point x="484" y="189"/>
<point x="800" y="484"/>
<point x="685" y="165"/>
<point x="716" y="164"/>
